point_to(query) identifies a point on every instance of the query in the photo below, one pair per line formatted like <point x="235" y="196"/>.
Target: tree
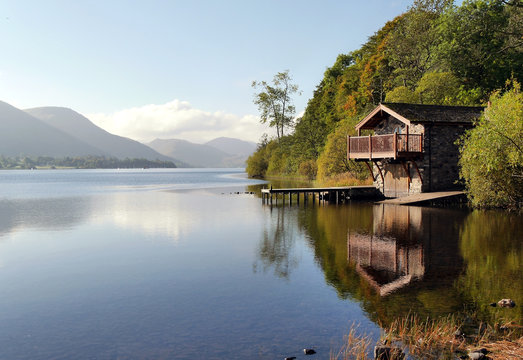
<point x="492" y="153"/>
<point x="257" y="163"/>
<point x="402" y="94"/>
<point x="436" y="88"/>
<point x="482" y="42"/>
<point x="413" y="47"/>
<point x="275" y="102"/>
<point x="333" y="160"/>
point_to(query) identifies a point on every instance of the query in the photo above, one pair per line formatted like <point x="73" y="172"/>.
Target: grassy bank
<point x="444" y="338"/>
<point x="293" y="181"/>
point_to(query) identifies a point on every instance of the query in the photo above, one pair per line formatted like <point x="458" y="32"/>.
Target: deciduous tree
<point x="492" y="153"/>
<point x="275" y="102"/>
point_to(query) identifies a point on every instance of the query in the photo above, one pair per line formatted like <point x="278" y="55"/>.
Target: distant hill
<point x="83" y="129"/>
<point x="61" y="132"/>
<point x="233" y="146"/>
<point x="205" y="155"/>
<point x="23" y="134"/>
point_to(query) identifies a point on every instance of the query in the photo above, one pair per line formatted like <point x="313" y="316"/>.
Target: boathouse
<point x="412" y="148"/>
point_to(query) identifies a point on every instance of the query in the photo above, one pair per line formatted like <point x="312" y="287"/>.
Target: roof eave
<point x="381" y="107"/>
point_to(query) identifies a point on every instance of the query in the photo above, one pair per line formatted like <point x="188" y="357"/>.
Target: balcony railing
<point x="384" y="146"/>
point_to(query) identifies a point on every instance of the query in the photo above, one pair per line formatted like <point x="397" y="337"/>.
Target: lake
<point x="188" y="264"/>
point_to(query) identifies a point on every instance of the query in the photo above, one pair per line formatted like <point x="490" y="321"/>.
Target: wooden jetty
<point x="427" y="198"/>
<point x="334" y="195"/>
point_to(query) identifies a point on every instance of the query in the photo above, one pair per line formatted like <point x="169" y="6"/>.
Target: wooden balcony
<point x="390" y="146"/>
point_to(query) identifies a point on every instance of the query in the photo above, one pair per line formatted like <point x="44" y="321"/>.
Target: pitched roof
<point x="415" y="113"/>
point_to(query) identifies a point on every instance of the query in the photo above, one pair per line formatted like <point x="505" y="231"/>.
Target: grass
<point x="443" y="338"/>
<point x="345" y="179"/>
<point x="354" y="346"/>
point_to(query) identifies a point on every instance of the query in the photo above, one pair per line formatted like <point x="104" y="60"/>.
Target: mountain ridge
<point x="205" y="155"/>
<point x="23" y="134"/>
<point x="82" y="128"/>
<point x="62" y="132"/>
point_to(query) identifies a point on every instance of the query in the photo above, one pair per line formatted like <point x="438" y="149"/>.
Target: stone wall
<point x="441" y="157"/>
<point x="390" y="124"/>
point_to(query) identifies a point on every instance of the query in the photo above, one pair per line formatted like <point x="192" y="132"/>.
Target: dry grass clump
<point x="427" y="338"/>
<point x="506" y="349"/>
<point x="355" y="347"/>
<point x="446" y="337"/>
<point x="433" y="338"/>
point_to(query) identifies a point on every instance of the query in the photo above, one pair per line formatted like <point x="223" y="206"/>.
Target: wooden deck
<point x="418" y="199"/>
<point x="335" y="195"/>
<point x="390" y="146"/>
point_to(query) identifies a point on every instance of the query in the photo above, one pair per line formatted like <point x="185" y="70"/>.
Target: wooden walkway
<point x="335" y="195"/>
<point x="417" y="199"/>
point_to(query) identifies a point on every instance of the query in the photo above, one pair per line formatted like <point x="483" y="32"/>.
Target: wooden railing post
<point x="370" y="147"/>
<point x="407" y="142"/>
<point x="348" y="147"/>
<point x="395" y="145"/>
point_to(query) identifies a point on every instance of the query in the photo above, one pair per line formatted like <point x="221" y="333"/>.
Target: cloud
<point x="178" y="119"/>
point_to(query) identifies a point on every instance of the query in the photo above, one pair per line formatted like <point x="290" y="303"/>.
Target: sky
<point x="175" y="69"/>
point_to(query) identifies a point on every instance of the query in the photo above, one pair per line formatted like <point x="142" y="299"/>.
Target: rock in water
<point x="476" y="356"/>
<point x="309" y="351"/>
<point x="383" y="352"/>
<point x="506" y="303"/>
<point x="290" y="358"/>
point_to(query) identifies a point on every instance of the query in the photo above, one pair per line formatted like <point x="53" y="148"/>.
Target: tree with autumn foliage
<point x="428" y="55"/>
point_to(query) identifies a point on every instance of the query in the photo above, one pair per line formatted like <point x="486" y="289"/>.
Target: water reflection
<point x="491" y="243"/>
<point x="158" y="213"/>
<point x="396" y="259"/>
<point x="152" y="213"/>
<point x="49" y="214"/>
<point x="402" y="248"/>
<point x="277" y="242"/>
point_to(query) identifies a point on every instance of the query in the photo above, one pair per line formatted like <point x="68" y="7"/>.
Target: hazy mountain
<point x="61" y="132"/>
<point x="198" y="155"/>
<point x="233" y="146"/>
<point x="83" y="129"/>
<point x="23" y="134"/>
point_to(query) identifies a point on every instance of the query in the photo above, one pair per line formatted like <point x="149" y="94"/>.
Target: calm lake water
<point x="188" y="264"/>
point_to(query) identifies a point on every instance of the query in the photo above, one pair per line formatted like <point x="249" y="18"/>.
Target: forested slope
<point x="435" y="53"/>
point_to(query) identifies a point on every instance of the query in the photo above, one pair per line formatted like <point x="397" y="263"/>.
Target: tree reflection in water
<point x="275" y="248"/>
<point x="396" y="260"/>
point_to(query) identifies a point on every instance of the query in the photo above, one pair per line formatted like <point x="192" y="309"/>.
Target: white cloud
<point x="178" y="119"/>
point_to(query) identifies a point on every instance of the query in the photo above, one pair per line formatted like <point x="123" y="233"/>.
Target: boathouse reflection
<point x="406" y="245"/>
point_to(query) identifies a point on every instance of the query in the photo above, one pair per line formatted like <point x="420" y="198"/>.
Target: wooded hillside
<point x="435" y="53"/>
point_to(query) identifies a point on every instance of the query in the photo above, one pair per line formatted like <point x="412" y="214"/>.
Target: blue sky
<point x="183" y="69"/>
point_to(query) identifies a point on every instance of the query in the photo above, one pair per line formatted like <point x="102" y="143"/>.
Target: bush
<point x="492" y="153"/>
<point x="308" y="168"/>
<point x="333" y="159"/>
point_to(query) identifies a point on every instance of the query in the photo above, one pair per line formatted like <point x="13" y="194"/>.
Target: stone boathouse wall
<point x="438" y="167"/>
